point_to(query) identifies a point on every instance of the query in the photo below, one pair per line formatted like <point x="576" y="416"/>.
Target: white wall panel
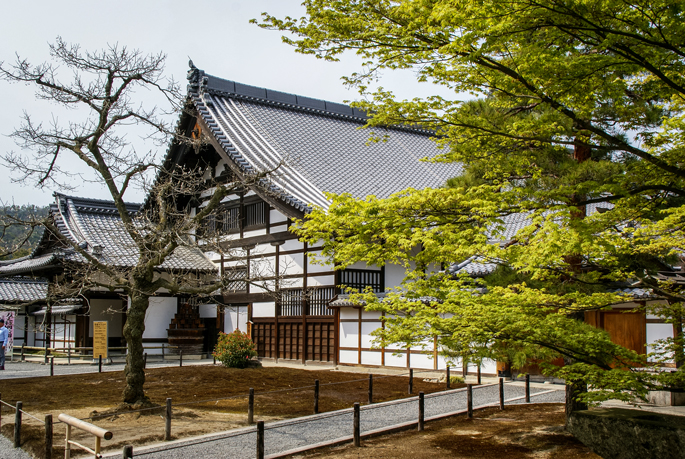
<point x="321" y="280"/>
<point x="371" y="357"/>
<point x="422" y="361"/>
<point x="395" y="360"/>
<point x="266" y="309"/>
<point x="349" y="313"/>
<point x="158" y="317"/>
<point x="276" y="217"/>
<point x="291" y="264"/>
<point x="349" y="356"/>
<point x="489" y="367"/>
<point x="656" y="332"/>
<point x="207" y="311"/>
<point x="371" y="315"/>
<point x="367" y="328"/>
<point x="253" y="233"/>
<point x="349" y="334"/>
<point x="291" y="244"/>
<point x="235" y="318"/>
<point x="394" y="274"/>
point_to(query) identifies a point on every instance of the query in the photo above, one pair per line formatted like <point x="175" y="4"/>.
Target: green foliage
<point x="18" y="236"/>
<point x="234" y="350"/>
<point x="571" y="105"/>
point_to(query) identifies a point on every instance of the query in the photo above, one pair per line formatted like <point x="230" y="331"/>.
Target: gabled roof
<point x="20" y="289"/>
<point x="96" y="226"/>
<point x="313" y="146"/>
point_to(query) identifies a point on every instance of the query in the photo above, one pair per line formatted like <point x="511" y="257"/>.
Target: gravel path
<point x="290" y="434"/>
<point x="8" y="451"/>
<point x="15" y="370"/>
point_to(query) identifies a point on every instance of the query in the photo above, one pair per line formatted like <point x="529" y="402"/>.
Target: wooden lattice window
<point x="359" y="279"/>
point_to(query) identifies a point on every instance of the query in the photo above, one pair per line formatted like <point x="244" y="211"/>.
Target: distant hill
<point x="12" y="234"/>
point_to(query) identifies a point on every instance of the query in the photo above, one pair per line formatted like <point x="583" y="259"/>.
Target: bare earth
<point x="518" y="432"/>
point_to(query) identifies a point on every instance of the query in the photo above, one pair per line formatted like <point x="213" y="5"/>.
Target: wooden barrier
<point x="260" y="439"/>
<point x="250" y="407"/>
<point x="99" y="433"/>
<point x="48" y="436"/>
<point x="316" y="396"/>
<point x="356" y="426"/>
<point x="421" y="411"/>
<point x="370" y="389"/>
<point x="167" y="419"/>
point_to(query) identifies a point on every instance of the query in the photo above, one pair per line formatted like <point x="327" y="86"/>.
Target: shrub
<point x="456" y="380"/>
<point x="234" y="350"/>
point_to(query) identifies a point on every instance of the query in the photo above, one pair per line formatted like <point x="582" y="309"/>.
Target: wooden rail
<point x="99" y="433"/>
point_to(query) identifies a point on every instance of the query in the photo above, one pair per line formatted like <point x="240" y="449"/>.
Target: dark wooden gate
<point x="318" y="342"/>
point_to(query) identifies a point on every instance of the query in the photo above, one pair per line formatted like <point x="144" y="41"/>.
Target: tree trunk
<point x="679" y="341"/>
<point x="133" y="332"/>
<point x="572" y="391"/>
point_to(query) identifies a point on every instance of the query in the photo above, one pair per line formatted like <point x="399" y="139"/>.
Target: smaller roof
<point x="57" y="309"/>
<point x="22" y="289"/>
<point x="474" y="266"/>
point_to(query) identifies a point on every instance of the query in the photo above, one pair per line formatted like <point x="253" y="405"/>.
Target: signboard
<point x="100" y="339"/>
<point x="9" y="323"/>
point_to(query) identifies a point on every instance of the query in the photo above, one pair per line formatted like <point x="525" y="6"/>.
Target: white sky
<point x="215" y="34"/>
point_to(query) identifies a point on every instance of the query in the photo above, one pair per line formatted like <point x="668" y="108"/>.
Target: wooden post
<point x="162" y="352"/>
<point x="128" y="452"/>
<point x="469" y="401"/>
<point x="52" y="366"/>
<point x="214" y="361"/>
<point x="250" y="407"/>
<point x="67" y="445"/>
<point x="167" y="424"/>
<point x="180" y="357"/>
<point x="260" y="439"/>
<point x="316" y="396"/>
<point x="447" y="373"/>
<point x="501" y="393"/>
<point x="17" y="425"/>
<point x="100" y="364"/>
<point x="421" y="411"/>
<point x="1" y="405"/>
<point x="370" y="389"/>
<point x="411" y="381"/>
<point x="527" y="388"/>
<point x="479" y="381"/>
<point x="48" y="436"/>
<point x="22" y="348"/>
<point x="145" y="361"/>
<point x="357" y="433"/>
<point x="68" y="356"/>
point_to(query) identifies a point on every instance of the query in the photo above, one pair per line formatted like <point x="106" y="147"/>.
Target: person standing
<point x="4" y="337"/>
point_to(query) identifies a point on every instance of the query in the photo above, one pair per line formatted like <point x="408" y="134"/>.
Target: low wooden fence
<point x="75" y="352"/>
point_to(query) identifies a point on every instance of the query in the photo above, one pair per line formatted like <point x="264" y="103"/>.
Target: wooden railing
<point x="99" y="433"/>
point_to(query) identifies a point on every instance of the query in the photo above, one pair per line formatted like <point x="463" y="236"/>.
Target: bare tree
<point x="103" y="86"/>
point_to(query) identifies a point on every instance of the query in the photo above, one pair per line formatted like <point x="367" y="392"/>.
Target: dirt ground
<point x="518" y="432"/>
<point x="86" y="396"/>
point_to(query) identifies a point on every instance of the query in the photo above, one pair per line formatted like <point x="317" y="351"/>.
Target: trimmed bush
<point x="234" y="350"/>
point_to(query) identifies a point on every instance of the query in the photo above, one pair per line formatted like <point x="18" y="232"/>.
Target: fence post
<point x="411" y="381"/>
<point x="469" y="401"/>
<point x="501" y="393"/>
<point x="357" y="433"/>
<point x="447" y="373"/>
<point x="421" y="411"/>
<point x="52" y="366"/>
<point x="68" y="356"/>
<point x="67" y="445"/>
<point x="17" y="425"/>
<point x="180" y="357"/>
<point x="100" y="364"/>
<point x="145" y="361"/>
<point x="214" y="361"/>
<point x="260" y="439"/>
<point x="250" y="407"/>
<point x="527" y="388"/>
<point x="479" y="374"/>
<point x="22" y="352"/>
<point x="316" y="396"/>
<point x="1" y="405"/>
<point x="128" y="452"/>
<point x="162" y="352"/>
<point x="48" y="436"/>
<point x="167" y="425"/>
<point x="370" y="389"/>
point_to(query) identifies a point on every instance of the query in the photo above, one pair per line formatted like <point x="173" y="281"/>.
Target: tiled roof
<point x="313" y="146"/>
<point x="636" y="293"/>
<point x="16" y="289"/>
<point x="474" y="266"/>
<point x="97" y="227"/>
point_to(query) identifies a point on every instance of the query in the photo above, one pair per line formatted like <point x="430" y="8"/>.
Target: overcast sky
<point x="215" y="34"/>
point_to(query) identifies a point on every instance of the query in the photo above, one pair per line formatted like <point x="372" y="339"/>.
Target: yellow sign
<point x="100" y="339"/>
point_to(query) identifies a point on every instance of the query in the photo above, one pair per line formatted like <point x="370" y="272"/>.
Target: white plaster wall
<point x="291" y="264"/>
<point x="395" y="360"/>
<point x="367" y="328"/>
<point x="266" y="309"/>
<point x="656" y="332"/>
<point x="253" y="233"/>
<point x="321" y="280"/>
<point x="98" y="313"/>
<point x="318" y="263"/>
<point x="276" y="217"/>
<point x="489" y="367"/>
<point x="349" y="334"/>
<point x="422" y="361"/>
<point x="262" y="249"/>
<point x="371" y="315"/>
<point x="348" y="356"/>
<point x="291" y="244"/>
<point x="394" y="274"/>
<point x="235" y="318"/>
<point x="157" y="319"/>
<point x="207" y="311"/>
<point x="19" y="339"/>
<point x="371" y="358"/>
<point x="349" y="313"/>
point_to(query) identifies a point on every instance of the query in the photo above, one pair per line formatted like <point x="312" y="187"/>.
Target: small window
<point x="231" y="220"/>
<point x="255" y="215"/>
